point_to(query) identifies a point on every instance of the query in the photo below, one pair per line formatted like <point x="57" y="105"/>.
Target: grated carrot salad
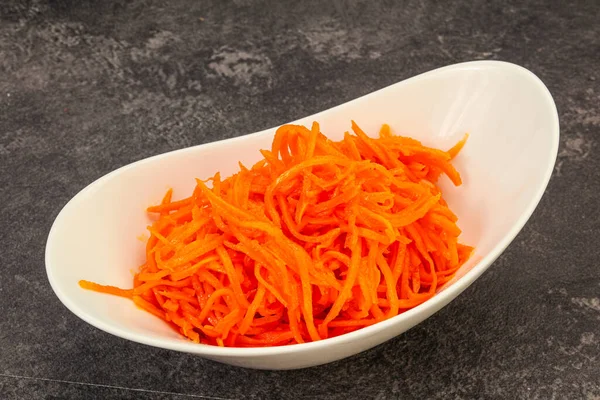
<point x="317" y="239"/>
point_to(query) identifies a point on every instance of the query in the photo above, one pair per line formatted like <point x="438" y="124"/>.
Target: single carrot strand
<point x="106" y="289"/>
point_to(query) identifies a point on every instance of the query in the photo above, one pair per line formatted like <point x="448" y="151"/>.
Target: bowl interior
<point x="505" y="165"/>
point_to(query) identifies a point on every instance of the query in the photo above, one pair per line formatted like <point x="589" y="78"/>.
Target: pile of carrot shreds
<point x="317" y="239"/>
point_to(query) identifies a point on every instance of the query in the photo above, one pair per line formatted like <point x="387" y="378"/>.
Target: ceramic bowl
<point x="506" y="165"/>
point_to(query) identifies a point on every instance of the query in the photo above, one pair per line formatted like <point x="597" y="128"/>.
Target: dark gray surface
<point x="86" y="87"/>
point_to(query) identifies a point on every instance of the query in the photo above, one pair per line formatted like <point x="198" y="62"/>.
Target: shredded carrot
<point x="317" y="239"/>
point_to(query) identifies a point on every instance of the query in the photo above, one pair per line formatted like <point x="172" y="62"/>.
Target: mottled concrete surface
<point x="88" y="86"/>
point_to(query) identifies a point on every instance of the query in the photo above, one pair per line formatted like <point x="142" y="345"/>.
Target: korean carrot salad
<point x="317" y="239"/>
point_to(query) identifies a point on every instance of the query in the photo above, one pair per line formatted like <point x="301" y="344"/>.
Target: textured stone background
<point x="88" y="86"/>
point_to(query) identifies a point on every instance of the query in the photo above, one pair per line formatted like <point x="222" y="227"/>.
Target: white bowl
<point x="506" y="165"/>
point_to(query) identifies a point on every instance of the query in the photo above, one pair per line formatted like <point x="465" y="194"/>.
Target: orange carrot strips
<point x="317" y="239"/>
